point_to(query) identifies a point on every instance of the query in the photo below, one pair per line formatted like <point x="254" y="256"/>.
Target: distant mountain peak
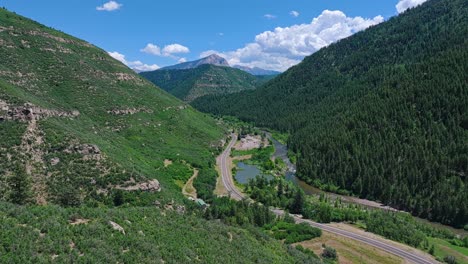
<point x="213" y="59"/>
<point x="214" y="56"/>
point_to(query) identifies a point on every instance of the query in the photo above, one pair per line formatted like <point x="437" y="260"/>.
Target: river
<point x="281" y="152"/>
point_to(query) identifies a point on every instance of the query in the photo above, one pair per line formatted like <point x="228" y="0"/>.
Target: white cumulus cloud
<point x="403" y="5"/>
<point x="174" y="49"/>
<point x="207" y="53"/>
<point x="118" y="56"/>
<point x="140" y="66"/>
<point x="294" y="13"/>
<point x="152" y="49"/>
<point x="109" y="6"/>
<point x="167" y="51"/>
<point x="269" y="16"/>
<point x="286" y="46"/>
<point x="135" y="65"/>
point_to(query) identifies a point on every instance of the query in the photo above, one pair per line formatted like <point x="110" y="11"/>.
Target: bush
<point x="306" y="251"/>
<point x="395" y="226"/>
<point x="450" y="259"/>
<point x="329" y="253"/>
<point x="118" y="198"/>
<point x="288" y="218"/>
<point x="303" y="255"/>
<point x="205" y="184"/>
<point x="293" y="233"/>
<point x="431" y="250"/>
<point x="457" y="242"/>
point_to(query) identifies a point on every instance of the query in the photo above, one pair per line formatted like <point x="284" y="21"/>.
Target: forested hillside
<point x="207" y="79"/>
<point x="257" y="71"/>
<point x="382" y="114"/>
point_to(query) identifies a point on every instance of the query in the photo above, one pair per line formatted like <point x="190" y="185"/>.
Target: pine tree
<point x="297" y="205"/>
<point x="20" y="186"/>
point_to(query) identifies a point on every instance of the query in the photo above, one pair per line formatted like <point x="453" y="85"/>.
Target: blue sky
<point x="242" y="31"/>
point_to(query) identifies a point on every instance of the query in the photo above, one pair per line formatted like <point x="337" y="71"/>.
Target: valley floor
<point x="363" y="241"/>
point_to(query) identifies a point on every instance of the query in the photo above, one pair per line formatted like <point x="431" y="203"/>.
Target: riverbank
<point x="247" y="170"/>
<point x="281" y="152"/>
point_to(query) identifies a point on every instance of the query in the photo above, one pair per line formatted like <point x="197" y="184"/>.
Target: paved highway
<point x="409" y="256"/>
<point x="228" y="183"/>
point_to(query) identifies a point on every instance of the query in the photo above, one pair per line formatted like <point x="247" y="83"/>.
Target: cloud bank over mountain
<point x="286" y="46"/>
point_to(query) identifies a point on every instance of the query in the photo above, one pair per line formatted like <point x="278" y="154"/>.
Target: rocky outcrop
<point x="28" y="112"/>
<point x="88" y="151"/>
<point x="78" y="221"/>
<point x="148" y="186"/>
<point x="31" y="147"/>
<point x="129" y="111"/>
<point x="122" y="76"/>
<point x="117" y="227"/>
<point x="54" y="161"/>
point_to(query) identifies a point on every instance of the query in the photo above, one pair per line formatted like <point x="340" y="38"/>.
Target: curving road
<point x="234" y="193"/>
<point x="226" y="176"/>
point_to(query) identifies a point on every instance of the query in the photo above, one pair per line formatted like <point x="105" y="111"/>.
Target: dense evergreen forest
<point x="382" y="114"/>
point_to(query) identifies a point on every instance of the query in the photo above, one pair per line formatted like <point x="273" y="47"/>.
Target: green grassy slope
<point x="204" y="80"/>
<point x="82" y="98"/>
<point x="382" y="114"/>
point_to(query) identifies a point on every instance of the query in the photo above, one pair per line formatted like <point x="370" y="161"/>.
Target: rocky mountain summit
<point x="217" y="60"/>
<point x="213" y="59"/>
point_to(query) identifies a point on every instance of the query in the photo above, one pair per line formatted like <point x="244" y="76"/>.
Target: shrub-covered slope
<point x="149" y="235"/>
<point x="383" y="114"/>
<point x="75" y="123"/>
<point x="207" y="79"/>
